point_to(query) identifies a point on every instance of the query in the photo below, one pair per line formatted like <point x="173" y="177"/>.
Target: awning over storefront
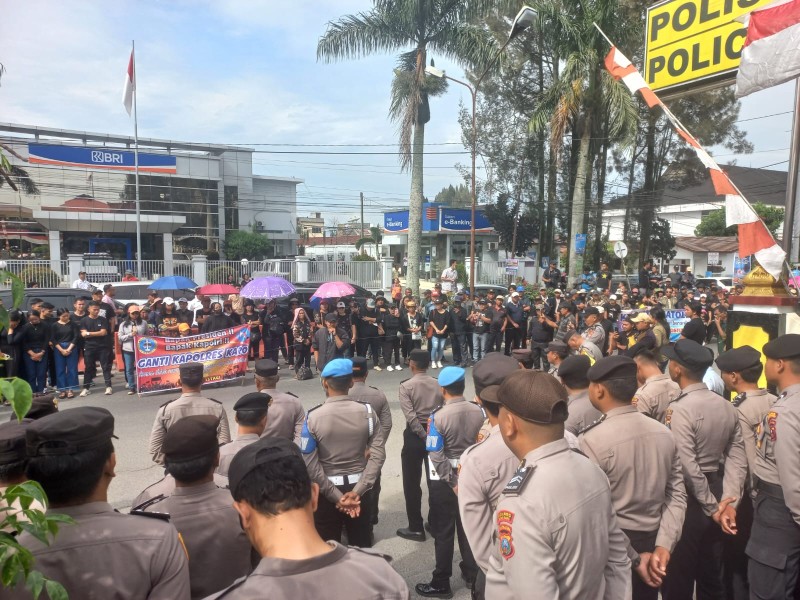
<point x="94" y="222"/>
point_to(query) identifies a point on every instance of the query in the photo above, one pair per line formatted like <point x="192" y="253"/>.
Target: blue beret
<point x="451" y="375"/>
<point x="338" y="367"/>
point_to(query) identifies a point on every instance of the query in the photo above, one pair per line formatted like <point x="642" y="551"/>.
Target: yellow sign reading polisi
<point x="689" y="41"/>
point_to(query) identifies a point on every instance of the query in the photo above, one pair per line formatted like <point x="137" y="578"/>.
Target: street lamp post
<point x="522" y="21"/>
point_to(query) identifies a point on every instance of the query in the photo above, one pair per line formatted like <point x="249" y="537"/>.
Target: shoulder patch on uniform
<point x="505" y="520"/>
<point x="591" y="425"/>
<point x="668" y="418"/>
<point x="635" y="401"/>
<point x="291" y="394"/>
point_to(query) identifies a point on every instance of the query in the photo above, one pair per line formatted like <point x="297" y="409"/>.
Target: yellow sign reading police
<point x="689" y="41"/>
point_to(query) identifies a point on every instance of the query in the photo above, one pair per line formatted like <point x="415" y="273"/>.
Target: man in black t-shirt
<point x="109" y="313"/>
<point x="95" y="332"/>
<point x="695" y="329"/>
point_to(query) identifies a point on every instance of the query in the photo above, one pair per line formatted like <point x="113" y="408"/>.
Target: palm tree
<point x="581" y="94"/>
<point x="413" y="27"/>
<point x="375" y="237"/>
<point x="16" y="177"/>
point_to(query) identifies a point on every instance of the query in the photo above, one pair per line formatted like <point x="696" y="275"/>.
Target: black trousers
<point x="91" y="356"/>
<point x="272" y="344"/>
<point x="391" y="345"/>
<point x="773" y="549"/>
<point x="409" y="344"/>
<point x="642" y="541"/>
<point x="446" y="525"/>
<point x="461" y="353"/>
<point x="734" y="559"/>
<point x="255" y="343"/>
<point x="698" y="555"/>
<point x="495" y="341"/>
<point x="372" y="343"/>
<point x="513" y="339"/>
<point x="414" y="460"/>
<point x="329" y="521"/>
<point x="302" y="356"/>
<point x="539" y="355"/>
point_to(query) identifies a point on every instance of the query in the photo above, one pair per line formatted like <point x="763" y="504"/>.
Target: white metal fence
<point x="492" y="272"/>
<point x="44" y="273"/>
<point x="367" y="274"/>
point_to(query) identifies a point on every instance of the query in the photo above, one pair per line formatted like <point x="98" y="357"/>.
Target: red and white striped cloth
<point x="771" y="53"/>
<point x="130" y="85"/>
<point x="623" y="70"/>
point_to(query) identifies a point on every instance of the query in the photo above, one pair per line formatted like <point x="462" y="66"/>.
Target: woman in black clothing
<point x="389" y="323"/>
<point x="10" y="367"/>
<point x="302" y="333"/>
<point x="440" y="320"/>
<point x="411" y="324"/>
<point x="64" y="339"/>
<point x="252" y="318"/>
<point x="33" y="338"/>
<point x="217" y="321"/>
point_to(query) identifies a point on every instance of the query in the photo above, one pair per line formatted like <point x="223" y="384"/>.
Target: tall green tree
<point x="517" y="225"/>
<point x="247" y="244"/>
<point x="455" y="196"/>
<point x="713" y="224"/>
<point x="414" y="28"/>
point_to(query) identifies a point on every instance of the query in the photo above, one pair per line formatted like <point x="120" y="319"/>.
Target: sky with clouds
<point x="245" y="72"/>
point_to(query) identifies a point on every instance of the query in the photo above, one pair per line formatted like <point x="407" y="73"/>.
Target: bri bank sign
<point x="100" y="158"/>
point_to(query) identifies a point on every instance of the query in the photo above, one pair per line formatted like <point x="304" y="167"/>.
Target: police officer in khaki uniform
<point x="557" y="352"/>
<point x="641" y="461"/>
<point x="377" y="399"/>
<point x="104" y="554"/>
<point x="452" y="428"/>
<point x="286" y="414"/>
<point x="573" y="375"/>
<point x="594" y="331"/>
<point x="740" y="369"/>
<point x="275" y="499"/>
<point x="251" y="414"/>
<point x="556" y="533"/>
<point x="485" y="468"/>
<point x="342" y="444"/>
<point x="418" y="396"/>
<point x="709" y="439"/>
<point x="656" y="389"/>
<point x="774" y="546"/>
<point x="191" y="402"/>
<point x="202" y="513"/>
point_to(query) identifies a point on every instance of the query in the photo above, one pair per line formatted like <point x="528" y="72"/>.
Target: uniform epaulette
<point x="167" y="402"/>
<point x="404" y="380"/>
<point x="737" y="401"/>
<point x="437" y="408"/>
<point x="591" y="425"/>
<point x="372" y="552"/>
<point x="291" y="394"/>
<point x="212" y="399"/>
<point x="314" y="408"/>
<point x="374" y="388"/>
<point x="148" y="503"/>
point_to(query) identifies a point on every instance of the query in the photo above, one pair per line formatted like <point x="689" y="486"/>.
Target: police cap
<point x="531" y="395"/>
<point x="191" y="437"/>
<point x="12" y="442"/>
<point x="738" y="359"/>
<point x="785" y="346"/>
<point x="191" y="370"/>
<point x="558" y="347"/>
<point x="590" y="310"/>
<point x="42" y="405"/>
<point x="451" y="375"/>
<point x="521" y="354"/>
<point x="69" y="431"/>
<point x="492" y="370"/>
<point x="690" y="354"/>
<point x="266" y="367"/>
<point x="253" y="401"/>
<point x="338" y="367"/>
<point x="573" y="369"/>
<point x="263" y="451"/>
<point x="359" y="366"/>
<point x="421" y="358"/>
<point x="611" y="367"/>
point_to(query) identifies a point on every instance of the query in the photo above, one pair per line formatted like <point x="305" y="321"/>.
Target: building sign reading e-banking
<point x="100" y="158"/>
<point x="450" y="219"/>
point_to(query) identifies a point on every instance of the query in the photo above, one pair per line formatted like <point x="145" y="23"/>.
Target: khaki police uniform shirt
<point x="707" y="432"/>
<point x="581" y="412"/>
<point x="341" y="574"/>
<point x="654" y="396"/>
<point x="557" y="536"/>
<point x="591" y="351"/>
<point x="226" y="454"/>
<point x="418" y="396"/>
<point x="595" y="334"/>
<point x="377" y="399"/>
<point x="778" y="447"/>
<point x="285" y="416"/>
<point x="639" y="457"/>
<point x="106" y="555"/>
<point x="452" y="429"/>
<point x="187" y="405"/>
<point x="484" y="470"/>
<point x="752" y="406"/>
<point x="334" y="441"/>
<point x="218" y="548"/>
<point x="553" y="372"/>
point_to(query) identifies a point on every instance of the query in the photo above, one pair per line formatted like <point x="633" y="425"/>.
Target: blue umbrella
<point x="173" y="282"/>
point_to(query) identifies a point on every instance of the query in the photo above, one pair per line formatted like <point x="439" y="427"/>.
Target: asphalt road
<point x="135" y="471"/>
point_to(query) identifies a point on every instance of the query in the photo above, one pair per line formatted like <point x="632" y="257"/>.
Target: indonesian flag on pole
<point x="754" y="237"/>
<point x="771" y="53"/>
<point x="622" y="69"/>
<point x="130" y="85"/>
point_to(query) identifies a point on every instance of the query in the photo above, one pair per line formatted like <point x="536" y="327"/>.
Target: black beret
<point x="573" y="369"/>
<point x="738" y="359"/>
<point x="492" y="370"/>
<point x="42" y="405"/>
<point x="422" y="358"/>
<point x="191" y="369"/>
<point x="12" y="442"/>
<point x="69" y="431"/>
<point x="253" y="401"/>
<point x="263" y="451"/>
<point x="590" y="310"/>
<point x="191" y="437"/>
<point x="532" y="395"/>
<point x="359" y="366"/>
<point x="690" y="354"/>
<point x="266" y="367"/>
<point x="611" y="367"/>
<point x="785" y="346"/>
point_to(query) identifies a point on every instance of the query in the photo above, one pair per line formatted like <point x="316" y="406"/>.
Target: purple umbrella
<point x="267" y="287"/>
<point x="334" y="289"/>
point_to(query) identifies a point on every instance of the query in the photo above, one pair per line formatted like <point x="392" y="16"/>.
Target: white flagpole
<point x="136" y="167"/>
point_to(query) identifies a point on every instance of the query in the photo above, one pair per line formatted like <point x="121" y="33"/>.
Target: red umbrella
<point x="216" y="289"/>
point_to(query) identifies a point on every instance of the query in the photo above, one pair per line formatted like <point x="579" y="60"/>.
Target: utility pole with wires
<point x="362" y="216"/>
